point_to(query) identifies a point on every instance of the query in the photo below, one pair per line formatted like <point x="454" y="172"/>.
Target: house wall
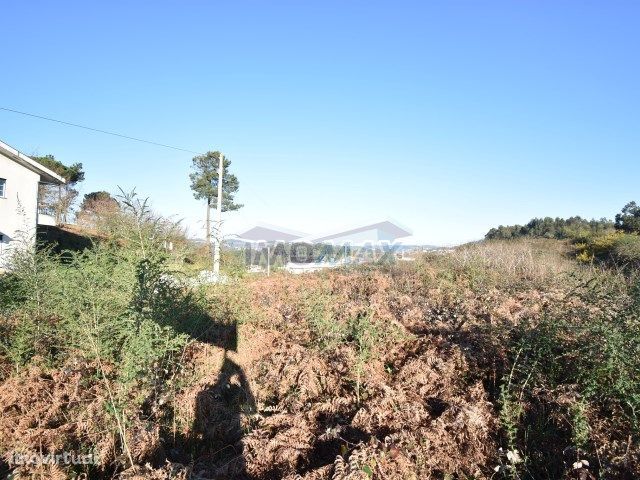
<point x="19" y="206"/>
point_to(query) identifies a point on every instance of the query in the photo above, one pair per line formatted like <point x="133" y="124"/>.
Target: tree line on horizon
<point x="627" y="221"/>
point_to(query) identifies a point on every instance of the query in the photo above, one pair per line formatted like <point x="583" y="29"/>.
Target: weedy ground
<point x="497" y="360"/>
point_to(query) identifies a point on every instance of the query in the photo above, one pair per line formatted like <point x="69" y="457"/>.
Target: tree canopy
<point x="72" y="174"/>
<point x="559" y="228"/>
<point x="59" y="200"/>
<point x="629" y="219"/>
<point x="100" y="199"/>
<point x="204" y="181"/>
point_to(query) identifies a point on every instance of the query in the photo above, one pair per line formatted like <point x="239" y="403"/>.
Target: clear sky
<point x="449" y="116"/>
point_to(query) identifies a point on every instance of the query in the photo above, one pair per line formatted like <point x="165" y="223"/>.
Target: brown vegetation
<point x="406" y="371"/>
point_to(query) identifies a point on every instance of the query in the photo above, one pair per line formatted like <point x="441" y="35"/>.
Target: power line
<point x="99" y="130"/>
<point x="70" y="124"/>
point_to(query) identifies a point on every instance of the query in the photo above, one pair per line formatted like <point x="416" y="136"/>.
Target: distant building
<point x="20" y="177"/>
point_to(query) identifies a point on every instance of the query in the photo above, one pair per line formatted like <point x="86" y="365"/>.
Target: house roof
<point x="46" y="175"/>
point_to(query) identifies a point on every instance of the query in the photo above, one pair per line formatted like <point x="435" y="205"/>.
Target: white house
<point x="19" y="180"/>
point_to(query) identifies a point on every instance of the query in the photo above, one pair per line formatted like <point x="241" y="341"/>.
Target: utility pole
<point x="217" y="238"/>
<point x="268" y="259"/>
<point x="208" y="225"/>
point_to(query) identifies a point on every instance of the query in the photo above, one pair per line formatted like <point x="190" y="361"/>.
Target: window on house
<point x="3" y="187"/>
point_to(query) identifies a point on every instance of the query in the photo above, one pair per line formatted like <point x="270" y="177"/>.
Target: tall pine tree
<point x="204" y="183"/>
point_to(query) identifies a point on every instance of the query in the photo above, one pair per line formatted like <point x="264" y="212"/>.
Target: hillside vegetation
<point x="614" y="243"/>
<point x="501" y="359"/>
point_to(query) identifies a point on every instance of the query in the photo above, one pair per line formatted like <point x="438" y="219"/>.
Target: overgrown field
<point x="503" y="359"/>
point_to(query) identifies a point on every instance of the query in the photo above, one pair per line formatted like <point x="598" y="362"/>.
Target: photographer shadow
<point x="214" y="445"/>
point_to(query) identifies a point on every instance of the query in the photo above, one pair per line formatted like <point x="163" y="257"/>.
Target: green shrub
<point x="104" y="304"/>
<point x="586" y="351"/>
<point x="615" y="248"/>
<point x="117" y="305"/>
<point x="627" y="250"/>
<point x="328" y="333"/>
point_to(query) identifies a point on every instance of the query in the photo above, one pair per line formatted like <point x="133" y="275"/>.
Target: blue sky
<point x="449" y="116"/>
